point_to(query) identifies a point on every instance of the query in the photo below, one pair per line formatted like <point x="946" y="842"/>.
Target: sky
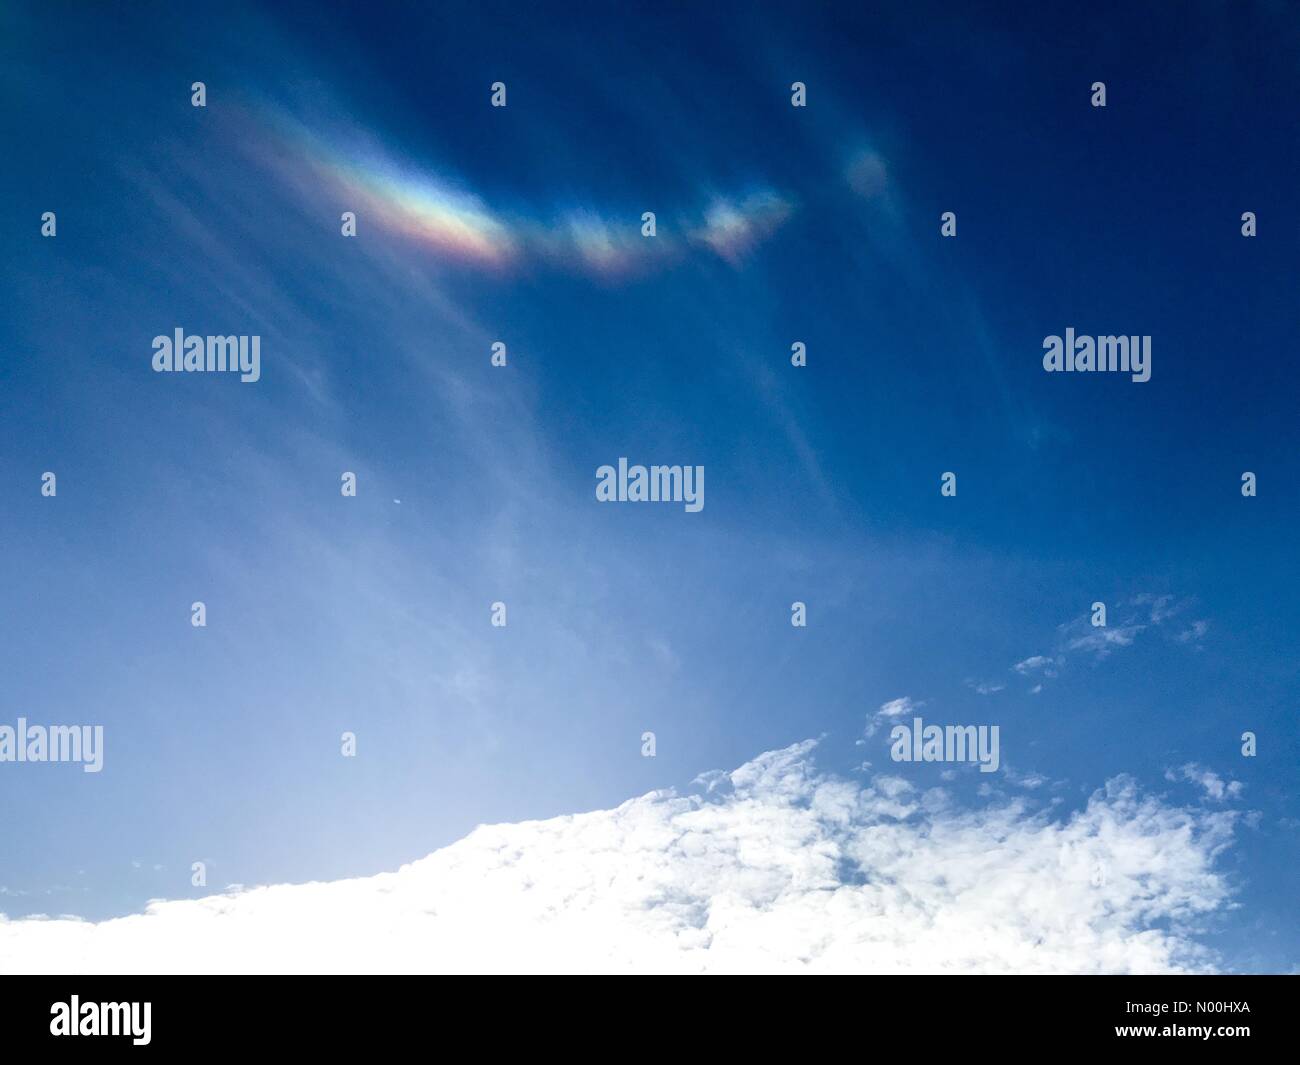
<point x="775" y="224"/>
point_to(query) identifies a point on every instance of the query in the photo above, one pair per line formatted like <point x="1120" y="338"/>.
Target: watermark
<point x="1110" y="354"/>
<point x="195" y="354"/>
<point x="57" y="743"/>
<point x="651" y="484"/>
<point x="102" y="1018"/>
<point x="946" y="743"/>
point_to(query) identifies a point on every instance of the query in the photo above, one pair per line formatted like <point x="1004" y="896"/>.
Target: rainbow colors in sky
<point x="418" y="204"/>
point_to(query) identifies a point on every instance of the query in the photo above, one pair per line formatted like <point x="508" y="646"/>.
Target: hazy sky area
<point x="476" y="484"/>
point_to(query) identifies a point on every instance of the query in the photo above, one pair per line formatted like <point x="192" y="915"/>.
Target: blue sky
<point x="522" y="224"/>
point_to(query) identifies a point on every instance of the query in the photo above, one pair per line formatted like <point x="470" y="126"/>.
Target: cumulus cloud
<point x="779" y="868"/>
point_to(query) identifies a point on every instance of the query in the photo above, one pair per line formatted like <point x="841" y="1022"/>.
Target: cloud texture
<point x="776" y="867"/>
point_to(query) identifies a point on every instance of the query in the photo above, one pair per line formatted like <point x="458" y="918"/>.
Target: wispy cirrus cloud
<point x="1213" y="785"/>
<point x="1081" y="636"/>
<point x="985" y="687"/>
<point x="1194" y="632"/>
<point x="778" y="867"/>
<point x="1100" y="642"/>
<point x="1162" y="607"/>
<point x="435" y="210"/>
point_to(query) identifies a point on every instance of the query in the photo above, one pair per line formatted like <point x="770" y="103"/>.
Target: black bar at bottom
<point x="1223" y="1015"/>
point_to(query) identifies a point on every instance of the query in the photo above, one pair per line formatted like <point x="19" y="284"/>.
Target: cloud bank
<point x="775" y="867"/>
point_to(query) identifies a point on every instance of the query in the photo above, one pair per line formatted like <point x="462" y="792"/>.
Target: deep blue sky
<point x="822" y="483"/>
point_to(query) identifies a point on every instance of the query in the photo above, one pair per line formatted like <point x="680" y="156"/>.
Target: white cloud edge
<point x="779" y="868"/>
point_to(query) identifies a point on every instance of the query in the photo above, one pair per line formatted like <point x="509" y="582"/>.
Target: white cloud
<point x="1102" y="641"/>
<point x="984" y="687"/>
<point x="787" y="869"/>
<point x="1206" y="779"/>
<point x="1163" y="607"/>
<point x="1023" y="780"/>
<point x="1035" y="663"/>
<point x="893" y="708"/>
<point x="898" y="707"/>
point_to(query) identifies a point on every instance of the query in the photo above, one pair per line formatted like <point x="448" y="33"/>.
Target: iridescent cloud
<point x="733" y="230"/>
<point x="414" y="203"/>
<point x="402" y="199"/>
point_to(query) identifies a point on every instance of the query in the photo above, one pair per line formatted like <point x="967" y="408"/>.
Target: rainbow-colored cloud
<point x="415" y="203"/>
